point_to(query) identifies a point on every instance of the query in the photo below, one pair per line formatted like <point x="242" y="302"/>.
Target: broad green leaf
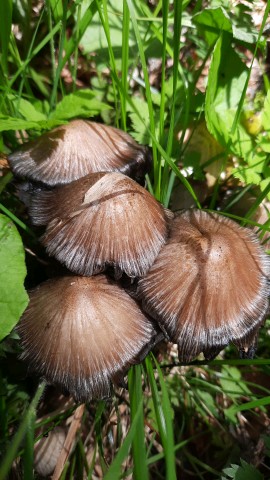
<point x="208" y="400"/>
<point x="247" y="175"/>
<point x="232" y="383"/>
<point x="242" y="472"/>
<point x="12" y="123"/>
<point x="27" y="109"/>
<point x="13" y="297"/>
<point x="79" y="104"/>
<point x="94" y="38"/>
<point x="212" y="21"/>
<point x="264" y="143"/>
<point x="246" y="34"/>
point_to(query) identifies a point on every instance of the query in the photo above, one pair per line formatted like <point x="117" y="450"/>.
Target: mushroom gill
<point x="84" y="333"/>
<point x="101" y="220"/>
<point x="74" y="150"/>
<point x="209" y="285"/>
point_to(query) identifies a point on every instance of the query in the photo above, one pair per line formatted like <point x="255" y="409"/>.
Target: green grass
<point x="175" y="421"/>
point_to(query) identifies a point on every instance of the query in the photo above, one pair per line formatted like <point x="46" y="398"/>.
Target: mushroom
<point x="209" y="285"/>
<point x="74" y="150"/>
<point x="83" y="333"/>
<point x="101" y="220"/>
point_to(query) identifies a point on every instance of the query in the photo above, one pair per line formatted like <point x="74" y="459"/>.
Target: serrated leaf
<point x="248" y="472"/>
<point x="244" y="471"/>
<point x="140" y="124"/>
<point x="13" y="297"/>
<point x="79" y="104"/>
<point x="12" y="123"/>
<point x="27" y="109"/>
<point x="247" y="175"/>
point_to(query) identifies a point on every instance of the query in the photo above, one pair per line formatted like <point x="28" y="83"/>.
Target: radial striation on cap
<point x="74" y="150"/>
<point x="83" y="333"/>
<point x="209" y="285"/>
<point x="102" y="220"/>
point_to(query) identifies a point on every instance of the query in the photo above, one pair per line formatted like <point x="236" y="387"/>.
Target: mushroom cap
<point x="72" y="151"/>
<point x="209" y="285"/>
<point x="101" y="220"/>
<point x="83" y="333"/>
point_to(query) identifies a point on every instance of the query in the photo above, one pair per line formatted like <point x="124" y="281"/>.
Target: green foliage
<point x="242" y="472"/>
<point x="13" y="297"/>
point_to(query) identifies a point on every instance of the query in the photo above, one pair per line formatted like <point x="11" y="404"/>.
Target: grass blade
<point x="5" y="30"/>
<point x="17" y="440"/>
<point x="163" y="411"/>
<point x="136" y="405"/>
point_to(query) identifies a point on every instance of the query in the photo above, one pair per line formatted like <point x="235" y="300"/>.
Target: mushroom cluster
<point x="198" y="278"/>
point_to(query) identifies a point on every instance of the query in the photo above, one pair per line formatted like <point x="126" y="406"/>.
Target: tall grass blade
<point x="136" y="406"/>
<point x="17" y="440"/>
<point x="163" y="411"/>
<point x="147" y="89"/>
<point x="115" y="469"/>
<point x="5" y="30"/>
<point x="125" y="61"/>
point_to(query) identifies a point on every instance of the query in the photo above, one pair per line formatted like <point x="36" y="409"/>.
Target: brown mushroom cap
<point x="84" y="333"/>
<point x="101" y="220"/>
<point x="74" y="150"/>
<point x="209" y="285"/>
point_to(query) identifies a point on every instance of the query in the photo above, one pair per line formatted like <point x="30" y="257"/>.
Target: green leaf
<point x="266" y="113"/>
<point x="212" y="21"/>
<point x="247" y="175"/>
<point x="95" y="40"/>
<point x="13" y="297"/>
<point x="232" y="383"/>
<point x="246" y="34"/>
<point x="13" y="123"/>
<point x="79" y="104"/>
<point x="242" y="472"/>
<point x="264" y="143"/>
<point x="57" y="9"/>
<point x="140" y="124"/>
<point x="226" y="82"/>
<point x="27" y="109"/>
